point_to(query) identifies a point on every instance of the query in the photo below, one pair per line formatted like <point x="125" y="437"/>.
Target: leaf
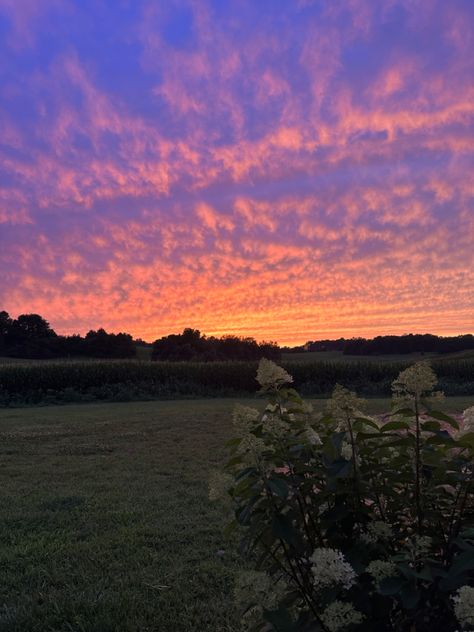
<point x="430" y="426"/>
<point x="340" y="468"/>
<point x="410" y="595"/>
<point x="403" y="412"/>
<point x="365" y="421"/>
<point x="234" y="461"/>
<point x="462" y="563"/>
<point x="435" y="414"/>
<point x="278" y="486"/>
<point x="395" y="425"/>
<point x="283" y="529"/>
<point x="245" y="473"/>
<point x="466" y="440"/>
<point x="233" y="442"/>
<point x="425" y="574"/>
<point x="391" y="585"/>
<point x="280" y="619"/>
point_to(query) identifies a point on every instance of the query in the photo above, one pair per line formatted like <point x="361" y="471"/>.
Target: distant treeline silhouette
<point x="30" y="336"/>
<point x="191" y="345"/>
<point x="389" y="345"/>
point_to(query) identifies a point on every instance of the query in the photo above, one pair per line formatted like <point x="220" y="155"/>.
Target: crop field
<point x="105" y="521"/>
<point x="48" y="382"/>
<point x="338" y="356"/>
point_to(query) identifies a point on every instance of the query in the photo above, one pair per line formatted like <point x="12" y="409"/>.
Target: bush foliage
<point x="352" y="522"/>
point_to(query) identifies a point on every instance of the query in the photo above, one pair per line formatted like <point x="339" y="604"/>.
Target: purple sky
<point x="284" y="169"/>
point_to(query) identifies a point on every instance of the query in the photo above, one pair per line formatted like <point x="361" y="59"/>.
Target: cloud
<point x="280" y="173"/>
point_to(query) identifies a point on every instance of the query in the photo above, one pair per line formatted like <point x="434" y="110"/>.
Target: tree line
<point x="390" y="345"/>
<point x="31" y="336"/>
<point x="192" y="345"/>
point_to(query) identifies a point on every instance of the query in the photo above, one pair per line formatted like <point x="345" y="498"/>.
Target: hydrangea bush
<point x="351" y="522"/>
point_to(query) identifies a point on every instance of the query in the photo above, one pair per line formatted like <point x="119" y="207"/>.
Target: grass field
<point x="105" y="523"/>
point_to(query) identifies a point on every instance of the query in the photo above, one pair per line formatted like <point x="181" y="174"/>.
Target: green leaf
<point x="425" y="574"/>
<point x="245" y="473"/>
<point x="410" y="595"/>
<point x="391" y="585"/>
<point x="280" y="620"/>
<point x="283" y="529"/>
<point x="466" y="440"/>
<point x="435" y="414"/>
<point x="430" y="426"/>
<point x="233" y="442"/>
<point x="462" y="563"/>
<point x="278" y="486"/>
<point x="403" y="412"/>
<point x="234" y="461"/>
<point x="395" y="425"/>
<point x="365" y="421"/>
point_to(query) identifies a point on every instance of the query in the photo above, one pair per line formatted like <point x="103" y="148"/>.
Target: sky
<point x="285" y="169"/>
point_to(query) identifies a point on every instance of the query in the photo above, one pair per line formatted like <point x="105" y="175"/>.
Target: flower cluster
<point x="244" y="418"/>
<point x="380" y="569"/>
<point x="252" y="447"/>
<point x="339" y="615"/>
<point x="344" y="404"/>
<point x="260" y="590"/>
<point x="464" y="606"/>
<point x="270" y="374"/>
<point x="416" y="381"/>
<point x="420" y="545"/>
<point x="377" y="531"/>
<point x="468" y="420"/>
<point x="312" y="437"/>
<point x="330" y="568"/>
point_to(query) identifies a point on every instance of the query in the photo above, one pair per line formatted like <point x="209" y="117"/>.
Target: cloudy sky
<point x="287" y="169"/>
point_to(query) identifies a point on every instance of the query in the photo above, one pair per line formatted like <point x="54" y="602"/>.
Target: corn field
<point x="49" y="382"/>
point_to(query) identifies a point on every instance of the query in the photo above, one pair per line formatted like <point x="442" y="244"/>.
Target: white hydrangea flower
<point x="339" y="615"/>
<point x="380" y="569"/>
<point x="244" y="418"/>
<point x="468" y="420"/>
<point x="307" y="408"/>
<point x="275" y="425"/>
<point x="344" y="404"/>
<point x="252" y="447"/>
<point x="419" y="545"/>
<point x="312" y="437"/>
<point x="330" y="567"/>
<point x="415" y="381"/>
<point x="260" y="590"/>
<point x="270" y="374"/>
<point x="464" y="605"/>
<point x="219" y="484"/>
<point x="346" y="451"/>
<point x="377" y="530"/>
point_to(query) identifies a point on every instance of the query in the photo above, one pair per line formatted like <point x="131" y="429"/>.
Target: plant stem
<point x="419" y="513"/>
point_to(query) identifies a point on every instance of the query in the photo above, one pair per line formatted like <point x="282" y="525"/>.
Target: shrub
<point x="351" y="522"/>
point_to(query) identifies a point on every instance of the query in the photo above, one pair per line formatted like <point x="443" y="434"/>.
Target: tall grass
<point x="118" y="380"/>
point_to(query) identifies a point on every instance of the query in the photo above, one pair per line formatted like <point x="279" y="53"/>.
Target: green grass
<point x="105" y="523"/>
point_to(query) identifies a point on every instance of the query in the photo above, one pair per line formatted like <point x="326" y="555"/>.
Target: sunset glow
<point x="287" y="169"/>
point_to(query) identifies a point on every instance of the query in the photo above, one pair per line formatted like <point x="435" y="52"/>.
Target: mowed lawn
<point x="105" y="524"/>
